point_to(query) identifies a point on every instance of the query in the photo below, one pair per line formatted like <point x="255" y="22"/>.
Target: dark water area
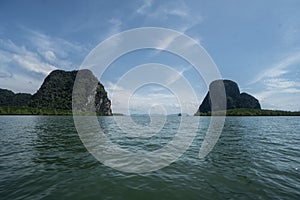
<point x="42" y="157"/>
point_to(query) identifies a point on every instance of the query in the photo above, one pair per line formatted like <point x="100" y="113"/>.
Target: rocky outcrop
<point x="9" y="98"/>
<point x="89" y="94"/>
<point x="234" y="99"/>
<point x="248" y="101"/>
<point x="57" y="90"/>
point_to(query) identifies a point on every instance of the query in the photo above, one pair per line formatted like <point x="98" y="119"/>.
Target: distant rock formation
<point x="57" y="90"/>
<point x="56" y="93"/>
<point x="9" y="98"/>
<point x="234" y="98"/>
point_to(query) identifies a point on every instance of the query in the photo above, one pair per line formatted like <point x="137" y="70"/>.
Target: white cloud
<point x="281" y="83"/>
<point x="115" y="26"/>
<point x="17" y="59"/>
<point x="278" y="69"/>
<point x="8" y="46"/>
<point x="49" y="56"/>
<point x="43" y="42"/>
<point x="163" y="10"/>
<point x="277" y="86"/>
<point x="4" y="74"/>
<point x="38" y="55"/>
<point x="278" y="101"/>
<point x="166" y="42"/>
<point x="20" y="56"/>
<point x="113" y="87"/>
<point x="20" y="83"/>
<point x="176" y="14"/>
<point x="175" y="76"/>
<point x="30" y="61"/>
<point x="141" y="103"/>
<point x="146" y="4"/>
<point x="148" y="99"/>
<point x="56" y="51"/>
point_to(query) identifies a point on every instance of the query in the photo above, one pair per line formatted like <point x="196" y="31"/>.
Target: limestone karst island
<point x="54" y="97"/>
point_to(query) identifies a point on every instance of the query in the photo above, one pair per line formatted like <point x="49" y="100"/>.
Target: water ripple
<point x="255" y="158"/>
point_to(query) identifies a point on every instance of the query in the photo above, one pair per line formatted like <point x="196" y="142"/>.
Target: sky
<point x="255" y="43"/>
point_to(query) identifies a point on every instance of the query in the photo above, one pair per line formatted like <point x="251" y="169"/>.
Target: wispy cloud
<point x="21" y="69"/>
<point x="166" y="41"/>
<point x="282" y="84"/>
<point x="278" y="69"/>
<point x="175" y="76"/>
<point x="127" y="100"/>
<point x="112" y="87"/>
<point x="22" y="57"/>
<point x="115" y="26"/>
<point x="175" y="13"/>
<point x="19" y="82"/>
<point x="144" y="6"/>
<point x="276" y="84"/>
<point x="163" y="10"/>
<point x="26" y="65"/>
<point x="4" y="74"/>
<point x="31" y="61"/>
<point x="55" y="50"/>
<point x="49" y="56"/>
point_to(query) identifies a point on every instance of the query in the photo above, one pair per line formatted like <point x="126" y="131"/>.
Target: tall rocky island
<point x="56" y="93"/>
<point x="234" y="99"/>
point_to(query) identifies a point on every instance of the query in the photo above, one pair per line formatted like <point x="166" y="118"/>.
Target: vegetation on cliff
<point x="8" y="98"/>
<point x="54" y="97"/>
<point x="234" y="99"/>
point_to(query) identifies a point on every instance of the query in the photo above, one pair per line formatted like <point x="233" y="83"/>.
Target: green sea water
<point x="42" y="157"/>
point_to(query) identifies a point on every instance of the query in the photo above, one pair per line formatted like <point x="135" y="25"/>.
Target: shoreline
<point x="11" y="110"/>
<point x="251" y="112"/>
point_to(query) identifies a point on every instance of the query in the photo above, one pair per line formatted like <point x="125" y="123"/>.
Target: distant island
<point x="252" y="112"/>
<point x="54" y="97"/>
<point x="238" y="104"/>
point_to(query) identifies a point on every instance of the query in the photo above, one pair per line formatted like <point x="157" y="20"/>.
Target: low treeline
<point x="12" y="110"/>
<point x="253" y="112"/>
<point x="25" y="110"/>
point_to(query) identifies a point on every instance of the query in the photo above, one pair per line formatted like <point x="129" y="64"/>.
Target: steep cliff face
<point x="57" y="89"/>
<point x="234" y="99"/>
<point x="248" y="101"/>
<point x="89" y="94"/>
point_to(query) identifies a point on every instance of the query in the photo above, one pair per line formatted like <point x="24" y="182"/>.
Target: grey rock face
<point x="234" y="99"/>
<point x="56" y="92"/>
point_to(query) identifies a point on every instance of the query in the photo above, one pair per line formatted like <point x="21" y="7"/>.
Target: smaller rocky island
<point x="237" y="104"/>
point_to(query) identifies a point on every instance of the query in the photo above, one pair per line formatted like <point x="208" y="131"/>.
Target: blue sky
<point x="255" y="43"/>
